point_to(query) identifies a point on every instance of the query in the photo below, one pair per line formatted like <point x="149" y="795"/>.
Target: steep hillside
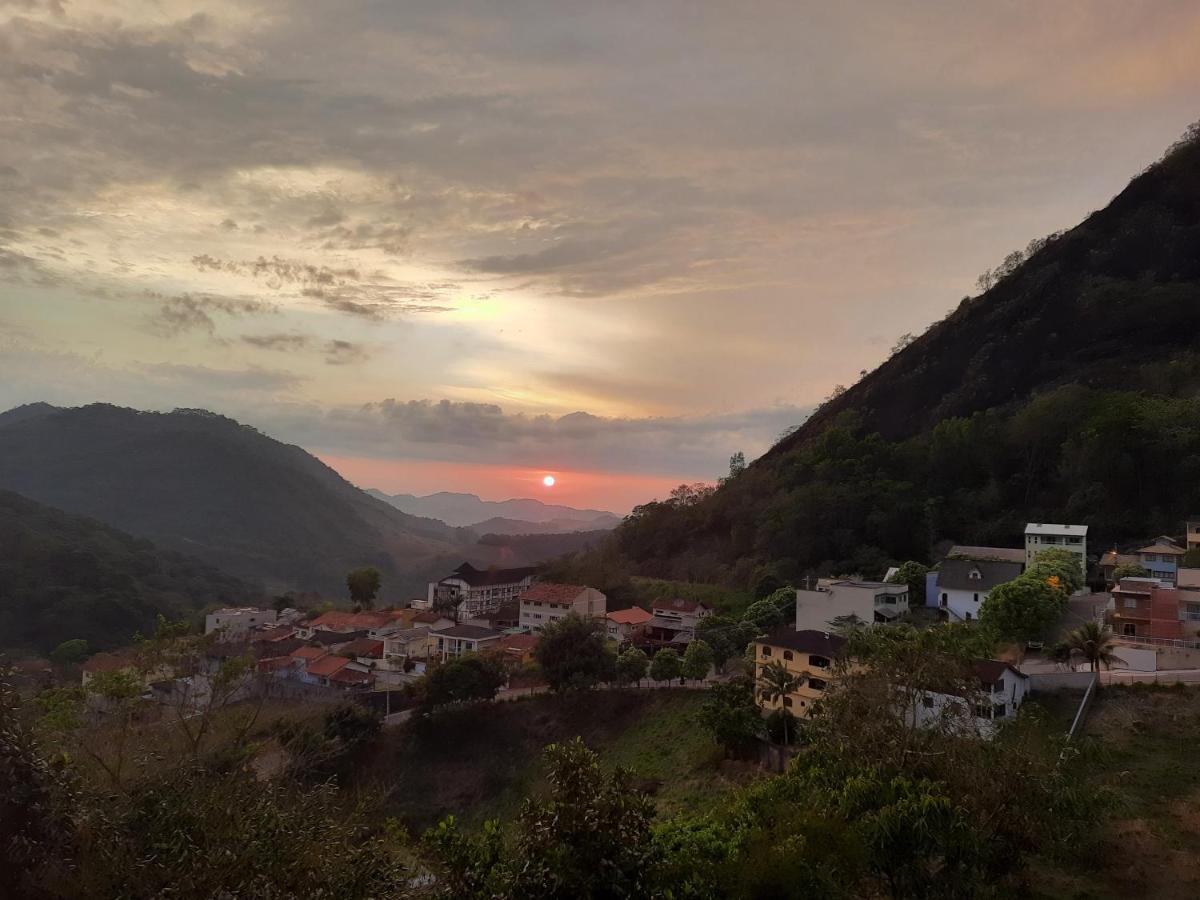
<point x="64" y="577"/>
<point x="1065" y="392"/>
<point x="202" y="484"/>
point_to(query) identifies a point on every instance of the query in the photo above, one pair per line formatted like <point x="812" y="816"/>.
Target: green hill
<point x="64" y="577"/>
<point x="207" y="486"/>
<point x="1065" y="392"/>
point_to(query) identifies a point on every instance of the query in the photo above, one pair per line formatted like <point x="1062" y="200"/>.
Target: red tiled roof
<point x="327" y="665"/>
<point x="108" y="662"/>
<point x="340" y="620"/>
<point x="678" y="604"/>
<point x="635" y="615"/>
<point x="350" y="676"/>
<point x="309" y="653"/>
<point x="362" y="647"/>
<point x="278" y="633"/>
<point x="521" y="643"/>
<point x="550" y="592"/>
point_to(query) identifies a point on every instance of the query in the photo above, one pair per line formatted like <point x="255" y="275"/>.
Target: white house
<point x="459" y="639"/>
<point x="836" y="598"/>
<point x="677" y="617"/>
<point x="1001" y="691"/>
<point x="624" y="624"/>
<point x="1041" y="536"/>
<point x="544" y="603"/>
<point x="962" y="585"/>
<point x="475" y="591"/>
<point x="237" y="620"/>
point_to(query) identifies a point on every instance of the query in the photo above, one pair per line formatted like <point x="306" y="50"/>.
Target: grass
<point x="480" y="762"/>
<point x="1139" y="746"/>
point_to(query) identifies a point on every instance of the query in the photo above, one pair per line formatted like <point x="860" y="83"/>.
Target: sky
<point x="457" y="246"/>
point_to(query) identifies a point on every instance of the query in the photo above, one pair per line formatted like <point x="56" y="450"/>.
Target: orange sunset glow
<point x="618" y="492"/>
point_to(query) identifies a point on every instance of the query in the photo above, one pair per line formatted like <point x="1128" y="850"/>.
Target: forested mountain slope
<point x="205" y="485"/>
<point x="64" y="577"/>
<point x="1065" y="392"/>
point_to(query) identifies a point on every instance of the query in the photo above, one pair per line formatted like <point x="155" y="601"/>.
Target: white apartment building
<point x="477" y="591"/>
<point x="1041" y="536"/>
<point x="546" y="602"/>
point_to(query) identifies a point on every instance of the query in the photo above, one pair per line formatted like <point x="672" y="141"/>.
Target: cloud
<point x="188" y="312"/>
<point x="337" y="352"/>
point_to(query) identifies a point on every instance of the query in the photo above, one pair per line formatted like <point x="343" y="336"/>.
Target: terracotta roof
<point x="341" y="620"/>
<point x="486" y="577"/>
<point x="327" y="665"/>
<point x="807" y="641"/>
<point x="363" y="647"/>
<point x="521" y="643"/>
<point x="277" y="633"/>
<point x="635" y="615"/>
<point x="678" y="604"/>
<point x="309" y="653"/>
<point x="550" y="592"/>
<point x="108" y="662"/>
<point x="1163" y="548"/>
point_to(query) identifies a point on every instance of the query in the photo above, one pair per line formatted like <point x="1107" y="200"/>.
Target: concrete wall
<point x="1137" y="659"/>
<point x="1057" y="681"/>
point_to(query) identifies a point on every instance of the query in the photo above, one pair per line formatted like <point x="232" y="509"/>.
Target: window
<point x="927" y="702"/>
<point x="968" y="615"/>
<point x="819" y="662"/>
<point x="975" y="575"/>
<point x="976" y="598"/>
<point x="1129" y="629"/>
<point x="1131" y="603"/>
<point x="787" y="654"/>
<point x="766" y="651"/>
<point x="787" y="701"/>
<point x="817" y="684"/>
<point x="945" y="599"/>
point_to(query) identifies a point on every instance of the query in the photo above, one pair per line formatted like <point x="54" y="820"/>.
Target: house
<point x="963" y="584"/>
<point x="409" y="643"/>
<point x="337" y="621"/>
<point x="1162" y="558"/>
<point x="515" y="648"/>
<point x="1192" y="532"/>
<point x="474" y="591"/>
<point x="1113" y="560"/>
<point x="546" y="602"/>
<point x="626" y="624"/>
<point x="364" y="650"/>
<point x="1041" y="536"/>
<point x="675" y="620"/>
<point x="1148" y="608"/>
<point x="236" y="621"/>
<point x="1001" y="691"/>
<point x="459" y="639"/>
<point x="808" y="654"/>
<point x="841" y="598"/>
<point x="102" y="663"/>
<point x="348" y="674"/>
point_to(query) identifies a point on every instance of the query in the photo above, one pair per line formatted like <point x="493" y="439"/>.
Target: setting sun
<point x="548" y="481"/>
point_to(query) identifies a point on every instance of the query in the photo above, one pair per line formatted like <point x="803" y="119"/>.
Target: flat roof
<point x="1051" y="528"/>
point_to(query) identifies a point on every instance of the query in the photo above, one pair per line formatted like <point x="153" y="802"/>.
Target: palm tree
<point x="1093" y="642"/>
<point x="778" y="683"/>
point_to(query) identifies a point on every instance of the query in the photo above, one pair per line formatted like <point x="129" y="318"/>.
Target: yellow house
<point x="807" y="654"/>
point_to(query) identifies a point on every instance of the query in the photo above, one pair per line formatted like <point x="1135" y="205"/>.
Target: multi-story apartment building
<point x="1162" y="558"/>
<point x="476" y="591"/>
<point x="1041" y="536"/>
<point x="546" y="602"/>
<point x="841" y="598"/>
<point x="808" y="654"/>
<point x="1148" y="608"/>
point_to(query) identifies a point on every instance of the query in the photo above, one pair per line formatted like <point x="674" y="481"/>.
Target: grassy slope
<point x="479" y="763"/>
<point x="1145" y="741"/>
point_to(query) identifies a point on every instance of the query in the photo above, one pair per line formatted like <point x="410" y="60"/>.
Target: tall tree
<point x="632" y="665"/>
<point x="778" y="683"/>
<point x="697" y="660"/>
<point x="364" y="586"/>
<point x="1091" y="641"/>
<point x="574" y="653"/>
<point x="666" y="665"/>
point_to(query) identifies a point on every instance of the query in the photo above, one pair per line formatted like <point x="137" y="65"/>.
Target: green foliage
<point x="666" y="665"/>
<point x="912" y="573"/>
<point x="462" y="679"/>
<point x="781" y="726"/>
<point x="589" y="838"/>
<point x="573" y="653"/>
<point x="364" y="584"/>
<point x="1091" y="642"/>
<point x="631" y="666"/>
<point x="697" y="660"/>
<point x="1062" y="565"/>
<point x="1130" y="570"/>
<point x="1024" y="609"/>
<point x="731" y="716"/>
<point x="726" y="637"/>
<point x="763" y="615"/>
<point x="65" y="579"/>
<point x="72" y="651"/>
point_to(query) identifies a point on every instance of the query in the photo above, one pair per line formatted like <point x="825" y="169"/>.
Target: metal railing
<point x="1156" y="642"/>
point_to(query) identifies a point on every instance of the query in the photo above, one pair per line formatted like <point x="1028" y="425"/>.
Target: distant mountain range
<point x="517" y="516"/>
